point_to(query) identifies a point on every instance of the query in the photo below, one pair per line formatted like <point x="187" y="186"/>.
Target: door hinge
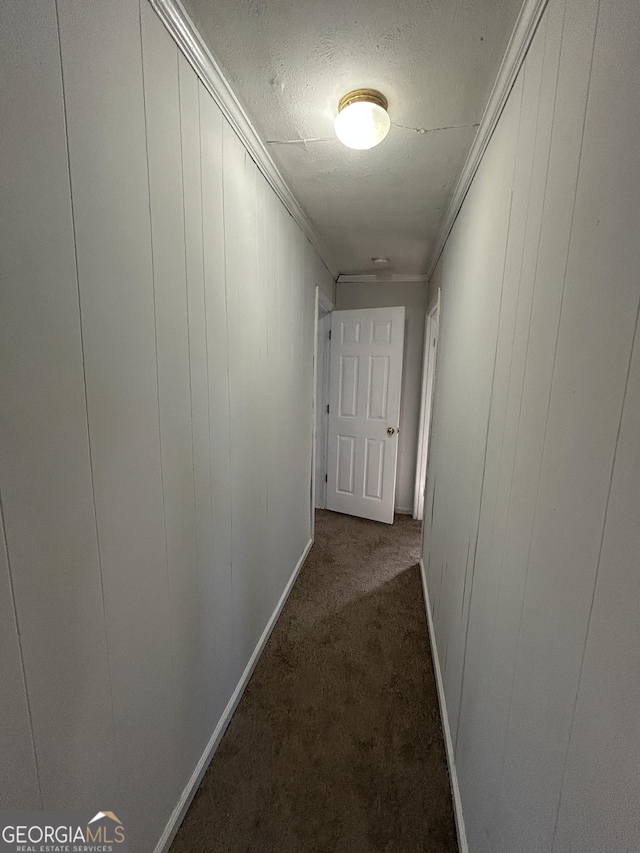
<point x="327" y="408"/>
<point x="329" y="334"/>
<point x="326" y="478"/>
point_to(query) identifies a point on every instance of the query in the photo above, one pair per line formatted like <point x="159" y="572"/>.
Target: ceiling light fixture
<point x="362" y="120"/>
<point x="381" y="262"/>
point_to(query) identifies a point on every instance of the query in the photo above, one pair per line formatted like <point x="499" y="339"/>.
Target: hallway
<point x="336" y="744"/>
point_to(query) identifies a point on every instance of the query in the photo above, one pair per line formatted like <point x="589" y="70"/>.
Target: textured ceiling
<point x="289" y="62"/>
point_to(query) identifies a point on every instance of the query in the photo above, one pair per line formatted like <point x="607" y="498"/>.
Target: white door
<point x="364" y="411"/>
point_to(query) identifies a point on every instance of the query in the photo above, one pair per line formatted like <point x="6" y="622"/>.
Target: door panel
<point x="348" y="386"/>
<point x="366" y="376"/>
<point x="373" y="467"/>
<point x="378" y="387"/>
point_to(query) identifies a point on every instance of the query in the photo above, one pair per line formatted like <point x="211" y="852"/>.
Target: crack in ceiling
<point x="420" y="130"/>
<point x="289" y="62"/>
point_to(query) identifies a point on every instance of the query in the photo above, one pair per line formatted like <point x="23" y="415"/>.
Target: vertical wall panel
<point x="104" y="97"/>
<point x="162" y="111"/>
<point x="592" y="355"/>
<point x="476" y="658"/>
<point x="44" y="460"/>
<point x="245" y="325"/>
<point x="156" y="426"/>
<point x="274" y="412"/>
<point x="471" y="355"/>
<point x="198" y="377"/>
<point x="485" y="713"/>
<point x="282" y="496"/>
<point x="567" y="320"/>
<point x="520" y="495"/>
<point x="19" y="786"/>
<point x="598" y="809"/>
<point x="228" y="666"/>
<point x="262" y="390"/>
<point x="601" y="785"/>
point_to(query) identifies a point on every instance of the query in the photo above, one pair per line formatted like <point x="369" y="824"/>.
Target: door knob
<point x="390" y="430"/>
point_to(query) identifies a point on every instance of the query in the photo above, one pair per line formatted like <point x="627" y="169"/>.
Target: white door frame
<point x="323" y="305"/>
<point x="426" y="406"/>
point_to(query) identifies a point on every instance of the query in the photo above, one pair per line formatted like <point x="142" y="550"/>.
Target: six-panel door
<point x="366" y="377"/>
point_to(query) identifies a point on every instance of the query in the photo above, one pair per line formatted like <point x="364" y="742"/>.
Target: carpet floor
<point x="336" y="745"/>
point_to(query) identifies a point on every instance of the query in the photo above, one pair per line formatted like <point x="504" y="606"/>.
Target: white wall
<point x="532" y="535"/>
<point x="413" y="295"/>
<point x="157" y="350"/>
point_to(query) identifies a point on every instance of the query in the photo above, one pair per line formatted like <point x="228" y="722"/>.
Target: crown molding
<point x="380" y="278"/>
<point x="184" y="32"/>
<point x="519" y="43"/>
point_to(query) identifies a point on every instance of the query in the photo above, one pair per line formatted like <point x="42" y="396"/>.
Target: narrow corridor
<point x="337" y="743"/>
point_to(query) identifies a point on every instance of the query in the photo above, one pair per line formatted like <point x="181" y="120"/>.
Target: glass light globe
<point x="362" y="125"/>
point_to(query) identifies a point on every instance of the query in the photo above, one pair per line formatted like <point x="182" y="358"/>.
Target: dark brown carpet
<point x="336" y="744"/>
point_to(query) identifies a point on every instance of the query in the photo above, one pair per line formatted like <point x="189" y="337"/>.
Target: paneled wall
<point x="157" y="360"/>
<point x="532" y="529"/>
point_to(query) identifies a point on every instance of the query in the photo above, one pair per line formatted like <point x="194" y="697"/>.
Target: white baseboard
<point x="453" y="776"/>
<point x="402" y="510"/>
<point x="189" y="792"/>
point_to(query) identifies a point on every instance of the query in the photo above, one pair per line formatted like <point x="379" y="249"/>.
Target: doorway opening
<point x="324" y="307"/>
<point x="426" y="407"/>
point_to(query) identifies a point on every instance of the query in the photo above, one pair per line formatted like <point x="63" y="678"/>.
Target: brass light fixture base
<point x="372" y="96"/>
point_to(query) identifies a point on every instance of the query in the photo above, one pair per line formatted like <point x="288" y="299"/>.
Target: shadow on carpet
<point x="336" y="744"/>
